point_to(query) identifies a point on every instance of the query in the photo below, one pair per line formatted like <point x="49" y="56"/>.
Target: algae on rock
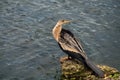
<point x="75" y="70"/>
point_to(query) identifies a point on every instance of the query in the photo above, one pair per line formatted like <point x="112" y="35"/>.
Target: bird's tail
<point x="95" y="69"/>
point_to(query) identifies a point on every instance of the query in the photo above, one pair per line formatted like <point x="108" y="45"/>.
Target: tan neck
<point x="56" y="31"/>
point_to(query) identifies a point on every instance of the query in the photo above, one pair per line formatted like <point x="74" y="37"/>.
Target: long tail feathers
<point x="96" y="70"/>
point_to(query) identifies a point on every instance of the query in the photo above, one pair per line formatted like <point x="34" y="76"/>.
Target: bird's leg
<point x="65" y="58"/>
<point x="69" y="57"/>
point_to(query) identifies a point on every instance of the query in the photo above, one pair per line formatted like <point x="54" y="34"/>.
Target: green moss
<point x="75" y="70"/>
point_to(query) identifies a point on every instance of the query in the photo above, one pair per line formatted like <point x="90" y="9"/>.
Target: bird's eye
<point x="62" y="20"/>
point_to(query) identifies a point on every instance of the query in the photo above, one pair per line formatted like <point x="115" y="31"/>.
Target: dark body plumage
<point x="70" y="45"/>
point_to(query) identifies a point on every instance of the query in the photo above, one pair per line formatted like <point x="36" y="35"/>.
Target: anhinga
<point x="70" y="45"/>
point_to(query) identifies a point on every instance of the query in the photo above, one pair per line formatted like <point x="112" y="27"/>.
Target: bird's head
<point x="58" y="27"/>
<point x="61" y="22"/>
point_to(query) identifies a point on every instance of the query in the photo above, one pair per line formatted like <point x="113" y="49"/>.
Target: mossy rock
<point x="75" y="70"/>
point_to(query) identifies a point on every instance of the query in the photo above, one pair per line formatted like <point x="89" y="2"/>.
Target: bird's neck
<point x="56" y="31"/>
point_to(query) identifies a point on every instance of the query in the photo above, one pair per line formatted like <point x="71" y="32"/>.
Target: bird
<point x="72" y="46"/>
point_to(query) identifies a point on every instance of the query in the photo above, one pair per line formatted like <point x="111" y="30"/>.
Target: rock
<point x="75" y="70"/>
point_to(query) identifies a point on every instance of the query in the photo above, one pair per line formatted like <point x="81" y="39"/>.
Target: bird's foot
<point x="64" y="59"/>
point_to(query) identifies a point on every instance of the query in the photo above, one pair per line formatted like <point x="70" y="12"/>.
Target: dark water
<point x="27" y="48"/>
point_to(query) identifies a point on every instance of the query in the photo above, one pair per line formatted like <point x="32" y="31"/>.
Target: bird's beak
<point x="67" y="21"/>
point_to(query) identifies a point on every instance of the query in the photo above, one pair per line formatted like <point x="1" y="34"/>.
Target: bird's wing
<point x="70" y="43"/>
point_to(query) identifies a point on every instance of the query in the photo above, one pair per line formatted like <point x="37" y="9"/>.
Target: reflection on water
<point x="27" y="48"/>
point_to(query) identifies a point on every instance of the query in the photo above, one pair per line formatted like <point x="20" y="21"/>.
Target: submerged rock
<point x="75" y="70"/>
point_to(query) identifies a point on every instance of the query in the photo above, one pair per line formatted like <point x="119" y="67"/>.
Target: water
<point x="27" y="48"/>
